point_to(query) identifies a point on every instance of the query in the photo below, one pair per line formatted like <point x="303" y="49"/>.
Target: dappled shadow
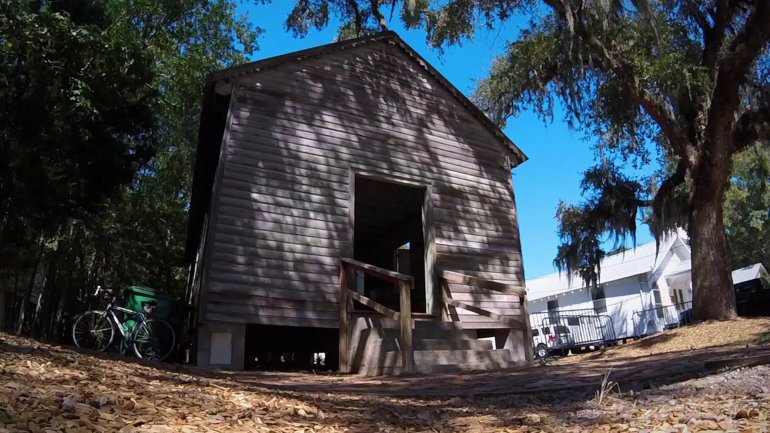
<point x="442" y="402"/>
<point x="298" y="133"/>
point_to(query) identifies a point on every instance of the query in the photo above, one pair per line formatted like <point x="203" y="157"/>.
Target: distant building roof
<point x="637" y="261"/>
<point x="749" y="273"/>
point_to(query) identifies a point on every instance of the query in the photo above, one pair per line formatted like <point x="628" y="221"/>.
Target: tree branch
<point x="714" y="37"/>
<point x="741" y="54"/>
<point x="697" y="14"/>
<point x="655" y="106"/>
<point x="357" y="13"/>
<point x="377" y="14"/>
<point x="752" y="126"/>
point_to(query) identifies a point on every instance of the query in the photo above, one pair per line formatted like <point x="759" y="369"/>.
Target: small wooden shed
<point x="349" y="201"/>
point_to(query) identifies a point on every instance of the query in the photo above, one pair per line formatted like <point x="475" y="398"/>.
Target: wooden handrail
<point x="510" y="321"/>
<point x="378" y="272"/>
<point x="404" y="316"/>
<point x="521" y="324"/>
<point x="374" y="305"/>
<point x="458" y="278"/>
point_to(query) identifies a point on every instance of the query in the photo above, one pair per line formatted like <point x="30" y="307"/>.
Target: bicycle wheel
<point x="153" y="339"/>
<point x="93" y="330"/>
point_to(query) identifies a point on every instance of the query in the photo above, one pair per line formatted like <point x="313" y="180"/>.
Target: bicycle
<point x="149" y="338"/>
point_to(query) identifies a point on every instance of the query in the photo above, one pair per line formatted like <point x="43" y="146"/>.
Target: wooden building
<point x="339" y="187"/>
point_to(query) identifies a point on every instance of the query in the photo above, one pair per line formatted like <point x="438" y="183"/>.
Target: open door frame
<point x="429" y="238"/>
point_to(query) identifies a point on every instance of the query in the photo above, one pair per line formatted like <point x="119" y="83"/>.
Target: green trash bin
<point x="136" y="295"/>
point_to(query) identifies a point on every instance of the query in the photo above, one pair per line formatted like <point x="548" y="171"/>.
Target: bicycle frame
<point x="110" y="311"/>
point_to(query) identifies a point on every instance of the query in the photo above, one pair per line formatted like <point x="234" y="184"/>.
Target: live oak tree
<point x="683" y="81"/>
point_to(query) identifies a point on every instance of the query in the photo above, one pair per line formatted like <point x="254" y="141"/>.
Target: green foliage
<point x="70" y="137"/>
<point x="645" y="80"/>
<point x="133" y="71"/>
<point x="747" y="207"/>
<point x="611" y="207"/>
<point x="355" y="16"/>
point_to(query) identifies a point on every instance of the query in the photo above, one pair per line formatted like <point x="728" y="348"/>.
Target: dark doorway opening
<point x="390" y="232"/>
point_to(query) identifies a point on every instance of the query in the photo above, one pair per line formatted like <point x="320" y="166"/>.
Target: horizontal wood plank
<point x="284" y="204"/>
<point x="455" y="277"/>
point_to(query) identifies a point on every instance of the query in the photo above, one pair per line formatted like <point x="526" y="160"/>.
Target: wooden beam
<point x="374" y="305"/>
<point x="344" y="342"/>
<point x="528" y="329"/>
<point x="458" y="278"/>
<point x="378" y="272"/>
<point x="407" y="350"/>
<point x="513" y="323"/>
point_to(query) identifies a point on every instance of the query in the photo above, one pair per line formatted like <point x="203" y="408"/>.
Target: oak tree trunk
<point x="713" y="292"/>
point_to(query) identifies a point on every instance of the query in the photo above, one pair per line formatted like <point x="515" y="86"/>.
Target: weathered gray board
<point x="280" y="205"/>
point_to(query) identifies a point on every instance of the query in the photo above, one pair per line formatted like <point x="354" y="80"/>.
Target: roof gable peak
<point x="220" y="80"/>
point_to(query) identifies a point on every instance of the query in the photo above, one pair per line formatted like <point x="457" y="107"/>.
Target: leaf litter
<point x="47" y="388"/>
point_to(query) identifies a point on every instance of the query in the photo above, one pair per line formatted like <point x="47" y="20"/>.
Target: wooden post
<point x="528" y="329"/>
<point x="344" y="348"/>
<point x="407" y="354"/>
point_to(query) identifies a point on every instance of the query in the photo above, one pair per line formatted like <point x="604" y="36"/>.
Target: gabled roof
<point x="753" y="272"/>
<point x="388" y="37"/>
<point x="642" y="260"/>
<point x="214" y="103"/>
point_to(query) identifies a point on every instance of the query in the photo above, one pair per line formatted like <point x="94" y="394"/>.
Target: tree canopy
<point x="98" y="127"/>
<point x="680" y="81"/>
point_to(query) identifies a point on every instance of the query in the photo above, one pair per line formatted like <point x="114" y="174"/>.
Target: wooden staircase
<point x="386" y="342"/>
<point x="437" y="347"/>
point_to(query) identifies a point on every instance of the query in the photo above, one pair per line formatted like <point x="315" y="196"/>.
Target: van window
<point x="561" y="329"/>
<point x="573" y="321"/>
<point x="546" y="331"/>
<point x="535" y="332"/>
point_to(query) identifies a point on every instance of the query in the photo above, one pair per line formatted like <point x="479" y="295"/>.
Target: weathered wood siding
<point x="281" y="204"/>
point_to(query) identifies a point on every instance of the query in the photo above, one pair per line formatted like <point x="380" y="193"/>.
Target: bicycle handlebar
<point x="101" y="289"/>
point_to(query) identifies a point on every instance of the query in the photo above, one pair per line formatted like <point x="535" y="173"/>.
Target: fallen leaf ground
<point x="741" y="331"/>
<point x="47" y="388"/>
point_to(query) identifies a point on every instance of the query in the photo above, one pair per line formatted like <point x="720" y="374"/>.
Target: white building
<point x="639" y="292"/>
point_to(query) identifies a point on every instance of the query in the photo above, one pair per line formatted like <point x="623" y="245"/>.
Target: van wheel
<point x="541" y="351"/>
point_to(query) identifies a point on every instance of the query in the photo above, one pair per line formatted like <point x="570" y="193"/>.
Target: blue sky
<point x="557" y="155"/>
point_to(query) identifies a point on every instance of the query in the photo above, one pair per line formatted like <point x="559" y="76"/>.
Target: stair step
<point x="420" y="325"/>
<point x="433" y="369"/>
<point x="445" y="357"/>
<point x="431" y="333"/>
<point x="449" y="357"/>
<point x="430" y="325"/>
<point x="391" y="344"/>
<point x="450" y="344"/>
<point x="454" y="368"/>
